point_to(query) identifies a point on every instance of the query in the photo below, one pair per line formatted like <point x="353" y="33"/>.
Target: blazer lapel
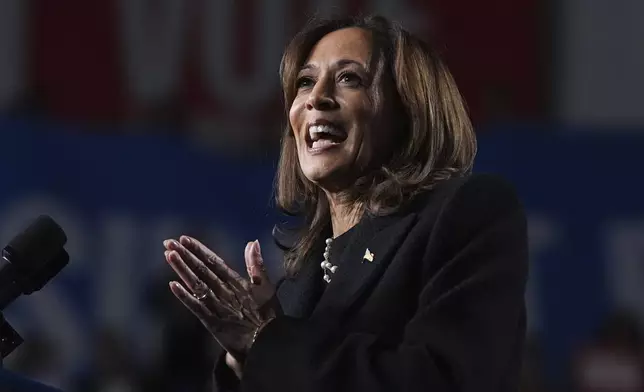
<point x="298" y="295"/>
<point x="363" y="261"/>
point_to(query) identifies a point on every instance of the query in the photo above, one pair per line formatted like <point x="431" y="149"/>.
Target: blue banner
<point x="119" y="196"/>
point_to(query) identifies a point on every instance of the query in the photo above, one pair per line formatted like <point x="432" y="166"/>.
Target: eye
<point x="304" y="82"/>
<point x="351" y="79"/>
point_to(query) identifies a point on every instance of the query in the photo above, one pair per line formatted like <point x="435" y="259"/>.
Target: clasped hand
<point x="230" y="307"/>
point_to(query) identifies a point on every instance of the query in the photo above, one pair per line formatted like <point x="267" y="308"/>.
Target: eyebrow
<point x="340" y="63"/>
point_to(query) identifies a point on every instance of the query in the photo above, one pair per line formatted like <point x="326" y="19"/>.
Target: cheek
<point x="296" y="116"/>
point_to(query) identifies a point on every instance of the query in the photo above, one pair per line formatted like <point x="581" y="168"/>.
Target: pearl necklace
<point x="326" y="265"/>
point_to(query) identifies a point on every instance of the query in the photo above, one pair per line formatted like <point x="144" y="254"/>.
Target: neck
<point x="343" y="215"/>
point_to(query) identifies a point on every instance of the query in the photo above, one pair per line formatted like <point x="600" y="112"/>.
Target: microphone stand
<point x="26" y="265"/>
<point x="9" y="338"/>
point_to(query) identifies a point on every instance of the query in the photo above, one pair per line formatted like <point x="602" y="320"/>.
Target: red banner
<point x="217" y="61"/>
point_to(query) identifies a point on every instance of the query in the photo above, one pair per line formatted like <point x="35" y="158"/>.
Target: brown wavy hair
<point x="437" y="140"/>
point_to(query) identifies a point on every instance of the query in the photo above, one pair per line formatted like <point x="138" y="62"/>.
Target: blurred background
<point x="132" y="121"/>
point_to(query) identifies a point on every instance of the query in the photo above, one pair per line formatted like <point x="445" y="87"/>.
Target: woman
<point x="410" y="272"/>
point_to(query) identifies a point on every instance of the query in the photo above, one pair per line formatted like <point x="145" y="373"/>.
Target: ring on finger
<point x="201" y="291"/>
<point x="201" y="297"/>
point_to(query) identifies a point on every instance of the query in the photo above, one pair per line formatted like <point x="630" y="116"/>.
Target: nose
<point x="321" y="96"/>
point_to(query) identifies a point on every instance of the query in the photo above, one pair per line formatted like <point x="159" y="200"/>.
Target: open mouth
<point x="321" y="137"/>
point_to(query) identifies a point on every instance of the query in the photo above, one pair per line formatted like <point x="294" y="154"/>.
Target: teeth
<point x="322" y="143"/>
<point x="316" y="130"/>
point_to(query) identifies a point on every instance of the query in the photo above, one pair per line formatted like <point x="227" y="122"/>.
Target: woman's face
<point x="338" y="128"/>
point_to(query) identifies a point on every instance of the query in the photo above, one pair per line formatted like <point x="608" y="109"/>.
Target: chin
<point x="330" y="178"/>
<point x="318" y="174"/>
<point x="328" y="170"/>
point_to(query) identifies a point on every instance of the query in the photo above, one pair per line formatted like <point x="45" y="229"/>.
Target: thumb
<point x="255" y="264"/>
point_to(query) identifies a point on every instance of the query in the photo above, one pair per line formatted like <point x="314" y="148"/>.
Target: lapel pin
<point x="368" y="256"/>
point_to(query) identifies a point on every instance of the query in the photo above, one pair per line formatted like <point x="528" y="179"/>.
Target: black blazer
<point x="440" y="308"/>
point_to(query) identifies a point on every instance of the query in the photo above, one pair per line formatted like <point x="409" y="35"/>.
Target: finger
<point x="197" y="286"/>
<point x="263" y="289"/>
<point x="198" y="308"/>
<point x="202" y="270"/>
<point x="237" y="301"/>
<point x="247" y="251"/>
<point x="255" y="264"/>
<point x="237" y="293"/>
<point x="216" y="263"/>
<point x="218" y="309"/>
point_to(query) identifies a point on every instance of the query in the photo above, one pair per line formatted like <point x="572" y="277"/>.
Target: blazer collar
<point x="305" y="294"/>
<point x="380" y="237"/>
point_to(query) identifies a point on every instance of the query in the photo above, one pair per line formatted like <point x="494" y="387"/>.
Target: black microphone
<point x="28" y="262"/>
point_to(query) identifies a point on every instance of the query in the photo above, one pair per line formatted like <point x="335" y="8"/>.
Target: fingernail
<point x="258" y="249"/>
<point x="184" y="240"/>
<point x="171" y="244"/>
